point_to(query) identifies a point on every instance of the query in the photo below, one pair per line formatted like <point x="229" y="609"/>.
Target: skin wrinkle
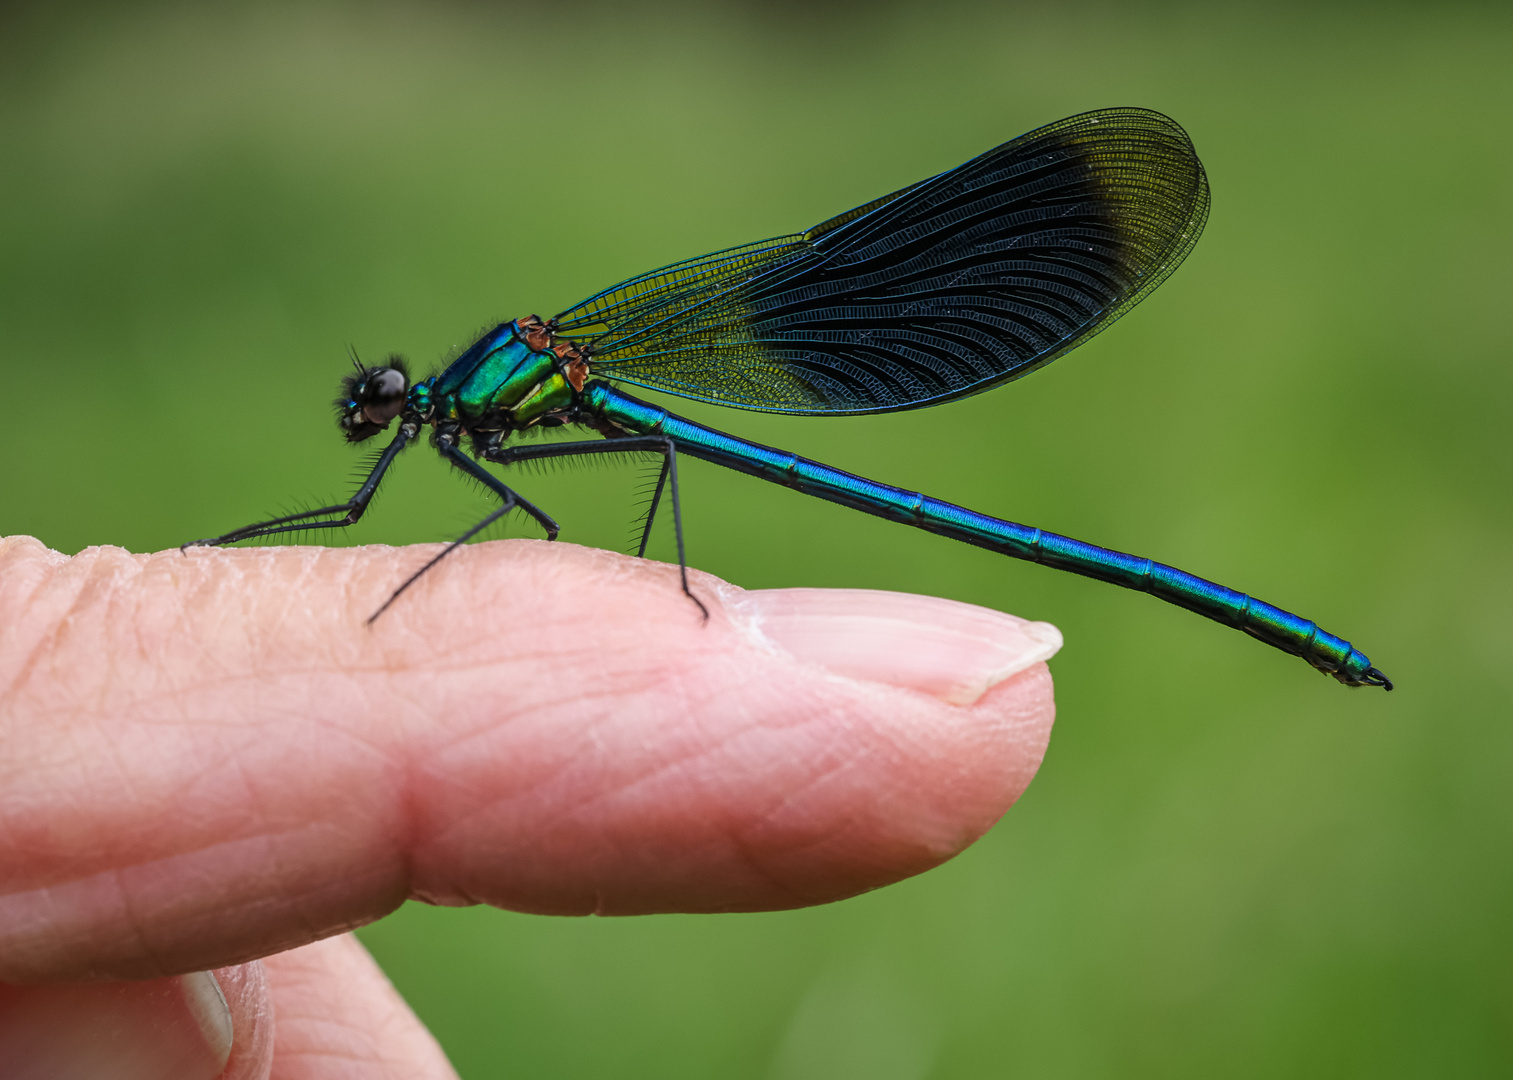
<point x="105" y="591"/>
<point x="207" y="596"/>
<point x="791" y="799"/>
<point x="521" y="713"/>
<point x="234" y="757"/>
<point x="314" y="916"/>
<point x="305" y="1027"/>
<point x="403" y="789"/>
<point x="747" y="852"/>
<point x="127" y="781"/>
<point x="293" y="603"/>
<point x="45" y="918"/>
<point x="457" y="824"/>
<point x="822" y="764"/>
<point x="179" y="698"/>
<point x="693" y="705"/>
<point x="259" y="637"/>
<point x="603" y="796"/>
<point x="133" y="926"/>
<point x="542" y="779"/>
<point x="18" y="784"/>
<point x="907" y="743"/>
<point x="136" y="630"/>
<point x="139" y="929"/>
<point x="666" y="771"/>
<point x="812" y="841"/>
<point x="124" y="893"/>
<point x="228" y="628"/>
<point x="405" y="836"/>
<point x="45" y="640"/>
<point x="663" y="768"/>
<point x="113" y="876"/>
<point x="118" y="842"/>
<point x="278" y="872"/>
<point x="229" y="684"/>
<point x="312" y="920"/>
<point x="896" y="739"/>
<point x="724" y="749"/>
<point x="550" y="702"/>
<point x="249" y="911"/>
<point x="177" y="625"/>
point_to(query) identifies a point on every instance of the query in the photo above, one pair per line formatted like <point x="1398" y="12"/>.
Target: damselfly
<point x="941" y="290"/>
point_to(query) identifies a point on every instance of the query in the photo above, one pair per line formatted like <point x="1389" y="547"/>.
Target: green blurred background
<point x="1228" y="864"/>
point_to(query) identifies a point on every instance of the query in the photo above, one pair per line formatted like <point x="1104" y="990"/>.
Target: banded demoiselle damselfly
<point x="943" y="289"/>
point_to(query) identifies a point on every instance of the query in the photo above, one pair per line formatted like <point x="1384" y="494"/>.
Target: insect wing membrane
<point x="944" y="289"/>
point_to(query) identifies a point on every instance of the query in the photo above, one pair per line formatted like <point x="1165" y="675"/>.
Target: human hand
<point x="210" y="759"/>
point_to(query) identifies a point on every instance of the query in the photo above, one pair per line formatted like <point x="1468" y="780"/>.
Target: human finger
<point x="206" y="1025"/>
<point x="212" y="758"/>
<point x="321" y="1012"/>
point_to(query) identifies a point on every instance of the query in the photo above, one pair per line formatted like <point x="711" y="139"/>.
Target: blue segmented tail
<point x="1281" y="629"/>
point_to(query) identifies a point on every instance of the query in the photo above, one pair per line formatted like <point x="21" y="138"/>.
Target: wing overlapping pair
<point x="947" y="288"/>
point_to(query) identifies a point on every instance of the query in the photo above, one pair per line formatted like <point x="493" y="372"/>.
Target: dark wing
<point x="944" y="289"/>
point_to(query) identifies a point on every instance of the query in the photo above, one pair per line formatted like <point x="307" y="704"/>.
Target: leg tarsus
<point x="671" y="465"/>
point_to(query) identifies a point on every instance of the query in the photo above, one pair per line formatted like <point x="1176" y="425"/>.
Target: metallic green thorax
<point x="509" y="379"/>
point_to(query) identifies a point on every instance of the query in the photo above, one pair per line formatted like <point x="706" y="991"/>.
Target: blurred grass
<point x="1227" y="865"/>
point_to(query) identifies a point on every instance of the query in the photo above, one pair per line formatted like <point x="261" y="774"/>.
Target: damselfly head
<point x="371" y="397"/>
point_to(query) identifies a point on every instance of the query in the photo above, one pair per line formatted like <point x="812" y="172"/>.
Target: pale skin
<point x="211" y="763"/>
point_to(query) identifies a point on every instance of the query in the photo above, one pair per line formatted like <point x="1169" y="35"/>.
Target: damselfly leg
<point x="337" y="516"/>
<point x="509" y="500"/>
<point x="510" y="455"/>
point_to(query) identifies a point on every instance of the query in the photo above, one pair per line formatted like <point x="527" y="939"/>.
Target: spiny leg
<point x="511" y="499"/>
<point x="498" y="487"/>
<point x="348" y="511"/>
<point x="651" y="511"/>
<point x="659" y="444"/>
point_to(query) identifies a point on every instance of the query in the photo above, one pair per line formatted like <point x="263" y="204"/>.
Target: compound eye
<point x="383" y="395"/>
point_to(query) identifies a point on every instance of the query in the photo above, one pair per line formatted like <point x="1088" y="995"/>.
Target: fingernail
<point x="953" y="651"/>
<point x="159" y="1029"/>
